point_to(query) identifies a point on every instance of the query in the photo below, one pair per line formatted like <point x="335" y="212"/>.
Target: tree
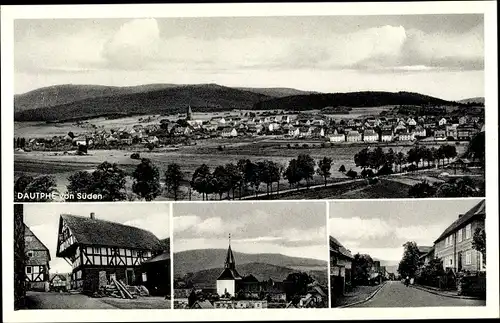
<point x="200" y="180"/>
<point x="390" y="157"/>
<point x="361" y="268"/>
<point x="241" y="165"/>
<point x="235" y="177"/>
<point x="324" y="166"/>
<point x="264" y="173"/>
<point x="306" y="165"/>
<point x="342" y="169"/>
<point x="400" y="159"/>
<point x="146" y="180"/>
<point x="221" y="181"/>
<point x="21" y="183"/>
<point x="410" y="261"/>
<point x="449" y="151"/>
<point x="421" y="190"/>
<point x="292" y="173"/>
<point x="479" y="242"/>
<point x="173" y="178"/>
<point x="296" y="284"/>
<point x="361" y="159"/>
<point x="457" y="187"/>
<point x="275" y="171"/>
<point x="476" y="147"/>
<point x="352" y="174"/>
<point x="376" y="158"/>
<point x="107" y="180"/>
<point x="43" y="184"/>
<point x="252" y="176"/>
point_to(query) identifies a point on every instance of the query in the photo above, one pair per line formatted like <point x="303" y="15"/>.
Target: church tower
<point x="227" y="281"/>
<point x="189" y="113"/>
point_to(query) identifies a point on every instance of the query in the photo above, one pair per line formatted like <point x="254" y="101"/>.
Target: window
<point x="30" y="254"/>
<point x="468" y="257"/>
<point x="28" y="270"/>
<point x="459" y="235"/>
<point x="451" y="239"/>
<point x="468" y="231"/>
<point x="144" y="277"/>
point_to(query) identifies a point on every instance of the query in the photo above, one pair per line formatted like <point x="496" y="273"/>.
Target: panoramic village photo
<point x="92" y="256"/>
<point x="250" y="255"/>
<point x="420" y="253"/>
<point x="249" y="108"/>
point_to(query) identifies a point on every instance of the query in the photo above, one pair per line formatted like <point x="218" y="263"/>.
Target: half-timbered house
<point x="36" y="266"/>
<point x="100" y="251"/>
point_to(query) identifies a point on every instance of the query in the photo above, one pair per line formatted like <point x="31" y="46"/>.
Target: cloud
<point x="158" y="224"/>
<point x="357" y="228"/>
<point x="183" y="223"/>
<point x="134" y="45"/>
<point x="138" y="45"/>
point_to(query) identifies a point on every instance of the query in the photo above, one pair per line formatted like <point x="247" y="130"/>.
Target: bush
<point x="367" y="172"/>
<point x="220" y="148"/>
<point x="135" y="156"/>
<point x="352" y="174"/>
<point x="412" y="168"/>
<point x="288" y="146"/>
<point x="385" y="170"/>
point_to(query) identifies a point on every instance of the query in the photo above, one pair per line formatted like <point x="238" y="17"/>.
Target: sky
<point x="439" y="55"/>
<point x="43" y="220"/>
<point x="380" y="228"/>
<point x="296" y="229"/>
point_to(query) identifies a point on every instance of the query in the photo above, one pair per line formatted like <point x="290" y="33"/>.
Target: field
<point x="213" y="152"/>
<point x="205" y="152"/>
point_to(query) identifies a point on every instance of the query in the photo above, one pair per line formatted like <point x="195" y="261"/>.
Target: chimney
<point x="92" y="215"/>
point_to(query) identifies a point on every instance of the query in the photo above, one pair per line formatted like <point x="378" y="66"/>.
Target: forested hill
<point x="170" y="99"/>
<point x="351" y="99"/>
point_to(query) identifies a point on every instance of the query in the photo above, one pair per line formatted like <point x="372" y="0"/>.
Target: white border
<point x="489" y="8"/>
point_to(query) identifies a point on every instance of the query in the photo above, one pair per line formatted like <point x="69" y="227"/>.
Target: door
<point x="129" y="276"/>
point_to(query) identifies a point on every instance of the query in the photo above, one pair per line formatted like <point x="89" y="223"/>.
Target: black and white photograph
<point x="420" y="253"/>
<point x="249" y="108"/>
<point x="92" y="256"/>
<point x="259" y="255"/>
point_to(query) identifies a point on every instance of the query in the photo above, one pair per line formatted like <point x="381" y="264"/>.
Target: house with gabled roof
<point x="36" y="265"/>
<point x="340" y="267"/>
<point x="454" y="245"/>
<point x="100" y="251"/>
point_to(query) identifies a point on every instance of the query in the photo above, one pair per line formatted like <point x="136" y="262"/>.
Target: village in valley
<point x="255" y="267"/>
<point x="450" y="272"/>
<point x="266" y="154"/>
<point x="99" y="264"/>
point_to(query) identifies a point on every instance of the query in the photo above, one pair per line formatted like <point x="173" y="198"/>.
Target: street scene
<point x="396" y="294"/>
<point x="253" y="116"/>
<point x="97" y="256"/>
<point x="407" y="254"/>
<point x="272" y="255"/>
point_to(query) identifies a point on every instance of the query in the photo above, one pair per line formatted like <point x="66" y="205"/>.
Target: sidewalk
<point x="437" y="291"/>
<point x="359" y="295"/>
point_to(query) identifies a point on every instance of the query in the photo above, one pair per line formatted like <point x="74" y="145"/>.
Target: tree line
<point x="109" y="180"/>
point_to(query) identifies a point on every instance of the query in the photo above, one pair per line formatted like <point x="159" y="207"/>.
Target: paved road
<point x="396" y="294"/>
<point x="52" y="300"/>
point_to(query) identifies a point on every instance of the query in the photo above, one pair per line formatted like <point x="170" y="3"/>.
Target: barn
<point x="100" y="251"/>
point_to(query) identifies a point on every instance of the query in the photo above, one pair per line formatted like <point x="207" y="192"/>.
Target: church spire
<point x="189" y="112"/>
<point x="229" y="263"/>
